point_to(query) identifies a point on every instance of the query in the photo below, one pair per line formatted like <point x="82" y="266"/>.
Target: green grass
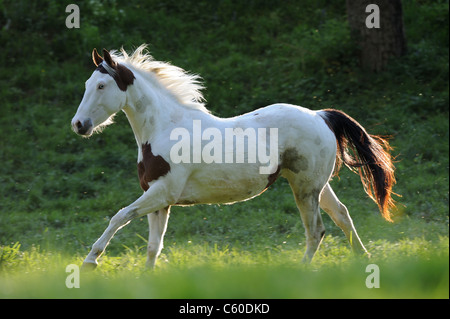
<point x="221" y="252"/>
<point x="408" y="269"/>
<point x="59" y="191"/>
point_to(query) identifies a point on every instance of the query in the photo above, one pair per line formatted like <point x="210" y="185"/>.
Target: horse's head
<point x="105" y="94"/>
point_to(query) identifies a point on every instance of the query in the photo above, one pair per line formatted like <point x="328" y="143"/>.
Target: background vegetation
<point x="58" y="190"/>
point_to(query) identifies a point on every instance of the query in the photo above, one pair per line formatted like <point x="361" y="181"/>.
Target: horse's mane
<point x="186" y="87"/>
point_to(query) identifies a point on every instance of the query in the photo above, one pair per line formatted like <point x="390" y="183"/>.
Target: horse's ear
<point x="96" y="57"/>
<point x="108" y="58"/>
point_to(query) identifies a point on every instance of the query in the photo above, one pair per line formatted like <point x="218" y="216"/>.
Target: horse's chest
<point x="151" y="167"/>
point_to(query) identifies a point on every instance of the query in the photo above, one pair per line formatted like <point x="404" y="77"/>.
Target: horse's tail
<point x="370" y="158"/>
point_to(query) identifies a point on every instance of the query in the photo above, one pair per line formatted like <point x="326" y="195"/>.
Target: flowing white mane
<point x="186" y="87"/>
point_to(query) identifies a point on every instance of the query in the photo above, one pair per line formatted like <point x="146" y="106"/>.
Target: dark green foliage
<point x="250" y="54"/>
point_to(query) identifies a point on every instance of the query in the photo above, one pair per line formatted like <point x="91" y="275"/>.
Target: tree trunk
<point x="377" y="44"/>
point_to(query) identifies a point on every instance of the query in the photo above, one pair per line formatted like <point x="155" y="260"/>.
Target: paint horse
<point x="159" y="99"/>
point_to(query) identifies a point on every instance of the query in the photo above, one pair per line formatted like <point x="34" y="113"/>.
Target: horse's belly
<point x="221" y="189"/>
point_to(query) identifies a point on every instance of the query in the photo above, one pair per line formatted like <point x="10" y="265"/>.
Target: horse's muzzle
<point x="82" y="128"/>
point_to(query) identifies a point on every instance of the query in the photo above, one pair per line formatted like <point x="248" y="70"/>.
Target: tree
<point x="377" y="27"/>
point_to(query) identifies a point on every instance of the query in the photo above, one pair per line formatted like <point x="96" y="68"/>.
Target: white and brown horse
<point x="188" y="156"/>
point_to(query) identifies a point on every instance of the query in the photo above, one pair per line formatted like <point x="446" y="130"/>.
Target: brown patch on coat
<point x="151" y="167"/>
<point x="122" y="75"/>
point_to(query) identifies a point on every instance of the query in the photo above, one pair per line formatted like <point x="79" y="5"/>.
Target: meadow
<point x="59" y="190"/>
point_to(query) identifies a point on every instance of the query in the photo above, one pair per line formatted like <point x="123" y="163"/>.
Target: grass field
<point x="59" y="191"/>
<point x="215" y="253"/>
<point x="408" y="269"/>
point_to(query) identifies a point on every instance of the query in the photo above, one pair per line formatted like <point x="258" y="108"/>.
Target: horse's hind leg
<point x="157" y="223"/>
<point x="308" y="204"/>
<point x="339" y="213"/>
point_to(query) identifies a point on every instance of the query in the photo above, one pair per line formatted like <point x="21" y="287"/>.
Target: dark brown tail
<point x="370" y="158"/>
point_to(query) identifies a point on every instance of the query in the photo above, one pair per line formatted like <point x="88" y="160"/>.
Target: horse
<point x="183" y="158"/>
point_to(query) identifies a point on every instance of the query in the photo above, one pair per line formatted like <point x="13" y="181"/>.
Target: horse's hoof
<point x="87" y="267"/>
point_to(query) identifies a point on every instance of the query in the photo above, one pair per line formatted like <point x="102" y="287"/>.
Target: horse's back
<point x="297" y="126"/>
<point x="285" y="117"/>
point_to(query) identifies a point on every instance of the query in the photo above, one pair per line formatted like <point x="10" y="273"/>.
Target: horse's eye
<point x="101" y="86"/>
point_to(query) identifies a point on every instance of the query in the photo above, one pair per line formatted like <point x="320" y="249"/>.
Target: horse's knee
<point x="122" y="218"/>
<point x="153" y="249"/>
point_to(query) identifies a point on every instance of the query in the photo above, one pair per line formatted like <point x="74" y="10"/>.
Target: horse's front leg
<point x="157" y="223"/>
<point x="154" y="199"/>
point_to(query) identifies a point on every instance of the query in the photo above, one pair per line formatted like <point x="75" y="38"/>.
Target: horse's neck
<point x="144" y="113"/>
<point x="150" y="110"/>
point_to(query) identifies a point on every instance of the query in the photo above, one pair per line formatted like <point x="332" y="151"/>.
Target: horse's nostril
<point x="82" y="128"/>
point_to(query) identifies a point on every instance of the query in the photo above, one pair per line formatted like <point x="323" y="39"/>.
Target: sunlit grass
<point x="408" y="269"/>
